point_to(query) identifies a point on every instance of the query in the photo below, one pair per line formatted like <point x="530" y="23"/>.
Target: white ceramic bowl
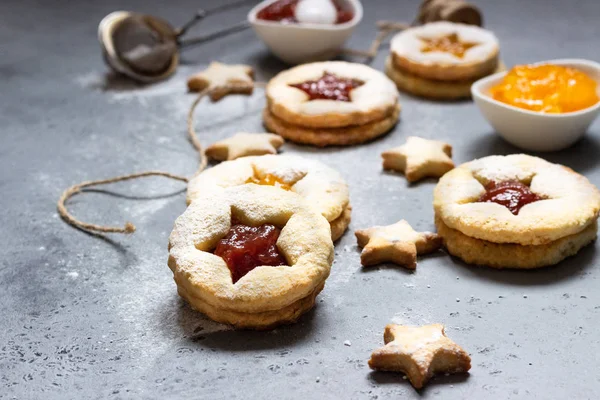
<point x="302" y="43"/>
<point x="531" y="130"/>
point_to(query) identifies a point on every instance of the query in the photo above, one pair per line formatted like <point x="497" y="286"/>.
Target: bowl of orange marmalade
<point x="546" y="106"/>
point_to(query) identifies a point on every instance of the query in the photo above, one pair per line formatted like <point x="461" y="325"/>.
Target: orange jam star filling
<point x="329" y="87"/>
<point x="269" y="180"/>
<point x="247" y="247"/>
<point x="547" y="89"/>
<point x="447" y="44"/>
<point x="512" y="194"/>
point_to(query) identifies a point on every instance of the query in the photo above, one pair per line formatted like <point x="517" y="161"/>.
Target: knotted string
<point x="129" y="227"/>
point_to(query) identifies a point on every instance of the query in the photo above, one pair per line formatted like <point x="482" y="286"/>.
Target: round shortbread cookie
<point x="570" y="203"/>
<point x="258" y="321"/>
<point x="322" y="137"/>
<point x="264" y="294"/>
<point x="322" y="187"/>
<point x="480" y="59"/>
<point x="374" y="100"/>
<point x="507" y="255"/>
<point x="439" y="90"/>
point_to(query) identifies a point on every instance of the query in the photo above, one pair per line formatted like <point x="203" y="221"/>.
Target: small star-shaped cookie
<point x="223" y="79"/>
<point x="419" y="352"/>
<point x="398" y="243"/>
<point x="419" y="158"/>
<point x="245" y="144"/>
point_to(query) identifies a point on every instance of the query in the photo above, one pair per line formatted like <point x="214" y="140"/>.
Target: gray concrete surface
<point x="85" y="317"/>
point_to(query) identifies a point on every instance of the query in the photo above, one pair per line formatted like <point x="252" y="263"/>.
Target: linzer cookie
<point x="331" y="103"/>
<point x="419" y="352"/>
<point x="323" y="188"/>
<point x="251" y="256"/>
<point x="442" y="59"/>
<point x="515" y="211"/>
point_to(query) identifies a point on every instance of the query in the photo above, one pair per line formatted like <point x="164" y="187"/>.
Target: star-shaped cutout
<point x="450" y="43"/>
<point x="223" y="79"/>
<point x="419" y="352"/>
<point x="398" y="243"/>
<point x="419" y="158"/>
<point x="245" y="144"/>
<point x="329" y="87"/>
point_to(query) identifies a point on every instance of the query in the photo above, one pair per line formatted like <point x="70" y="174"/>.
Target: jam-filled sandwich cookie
<point x="252" y="256"/>
<point x="323" y="188"/>
<point x="331" y="103"/>
<point x="441" y="60"/>
<point x="515" y="211"/>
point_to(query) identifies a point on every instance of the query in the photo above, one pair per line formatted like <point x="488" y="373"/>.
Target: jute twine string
<point x="385" y="29"/>
<point x="75" y="189"/>
<point x="128" y="227"/>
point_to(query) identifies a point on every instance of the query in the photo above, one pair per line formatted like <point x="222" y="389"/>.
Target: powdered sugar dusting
<point x="122" y="89"/>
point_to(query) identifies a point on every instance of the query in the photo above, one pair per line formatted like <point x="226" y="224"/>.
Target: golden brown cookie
<point x="260" y="297"/>
<point x="244" y="144"/>
<point x="445" y="51"/>
<point x="223" y="79"/>
<point x="419" y="352"/>
<point x="429" y="88"/>
<point x="321" y="137"/>
<point x="569" y="202"/>
<point x="398" y="243"/>
<point x="419" y="158"/>
<point x="510" y="255"/>
<point x="322" y="187"/>
<point x="373" y="98"/>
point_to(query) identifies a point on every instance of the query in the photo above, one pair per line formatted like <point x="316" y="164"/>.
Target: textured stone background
<point x="84" y="317"/>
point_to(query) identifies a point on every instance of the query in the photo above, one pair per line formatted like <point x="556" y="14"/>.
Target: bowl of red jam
<point x="546" y="106"/>
<point x="301" y="31"/>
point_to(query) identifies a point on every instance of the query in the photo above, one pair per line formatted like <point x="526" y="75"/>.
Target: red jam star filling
<point x="511" y="194"/>
<point x="247" y="247"/>
<point x="329" y="87"/>
<point x="284" y="11"/>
